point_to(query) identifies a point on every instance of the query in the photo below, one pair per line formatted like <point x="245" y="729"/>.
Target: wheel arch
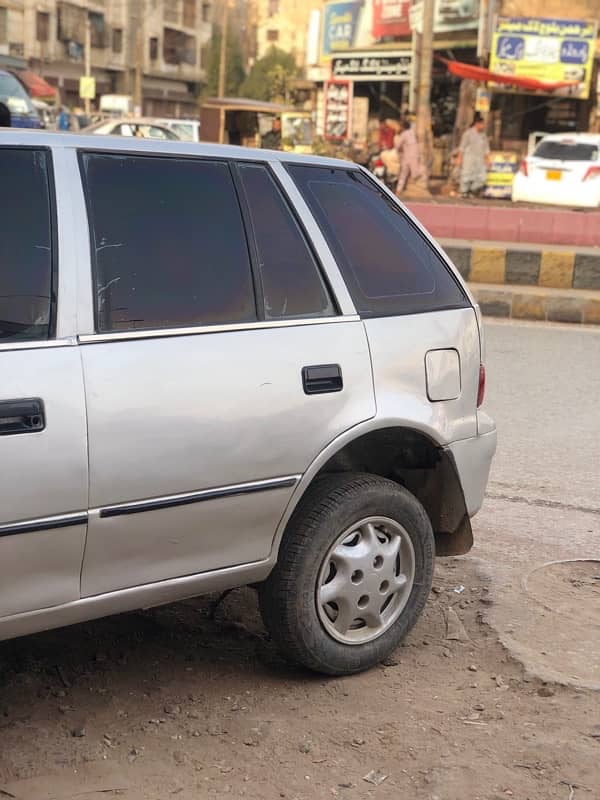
<point x="409" y="456"/>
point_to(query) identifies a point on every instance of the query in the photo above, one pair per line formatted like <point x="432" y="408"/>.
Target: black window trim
<point x="81" y="152"/>
<point x="54" y="252"/>
<point x="253" y="244"/>
<point x="391" y="201"/>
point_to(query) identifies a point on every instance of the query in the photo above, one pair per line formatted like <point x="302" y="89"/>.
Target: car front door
<point x="218" y="365"/>
<point x="43" y="441"/>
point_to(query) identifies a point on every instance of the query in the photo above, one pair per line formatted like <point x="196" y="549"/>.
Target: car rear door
<point x="43" y="442"/>
<point x="422" y="328"/>
<point x="217" y="365"/>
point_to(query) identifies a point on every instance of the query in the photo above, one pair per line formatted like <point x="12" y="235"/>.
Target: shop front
<point x="370" y="43"/>
<point x="558" y="58"/>
<point x="366" y="57"/>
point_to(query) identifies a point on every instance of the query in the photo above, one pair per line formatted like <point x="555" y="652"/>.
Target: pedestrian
<point x="472" y="157"/>
<point x="272" y="139"/>
<point x="5" y="120"/>
<point x="64" y="120"/>
<point x="407" y="146"/>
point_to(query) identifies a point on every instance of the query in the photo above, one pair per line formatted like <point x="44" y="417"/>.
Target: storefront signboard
<point x="551" y="50"/>
<point x="501" y="171"/>
<point x="363" y="25"/>
<point x="338" y="101"/>
<point x="373" y="66"/>
<point x="450" y="15"/>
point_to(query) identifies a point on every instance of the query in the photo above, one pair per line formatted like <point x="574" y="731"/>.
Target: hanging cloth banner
<point x="483" y="75"/>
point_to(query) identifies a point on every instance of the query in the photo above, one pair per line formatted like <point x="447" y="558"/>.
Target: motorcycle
<point x="379" y="169"/>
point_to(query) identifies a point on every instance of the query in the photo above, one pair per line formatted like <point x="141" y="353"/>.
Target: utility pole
<point x="88" y="58"/>
<point x="423" y="122"/>
<point x="138" y="100"/>
<point x="223" y="53"/>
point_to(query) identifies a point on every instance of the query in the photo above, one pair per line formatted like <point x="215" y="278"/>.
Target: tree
<point x="235" y="73"/>
<point x="267" y="80"/>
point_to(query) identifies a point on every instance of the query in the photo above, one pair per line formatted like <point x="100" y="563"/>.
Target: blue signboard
<point x="340" y="21"/>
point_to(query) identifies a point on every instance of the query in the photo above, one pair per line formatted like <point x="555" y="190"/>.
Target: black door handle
<point x="22" y="416"/>
<point x="322" y="378"/>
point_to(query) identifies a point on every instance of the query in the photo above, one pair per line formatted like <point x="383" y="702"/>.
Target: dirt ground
<point x="173" y="703"/>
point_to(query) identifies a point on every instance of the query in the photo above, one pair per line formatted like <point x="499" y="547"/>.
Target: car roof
<point x="574" y="138"/>
<point x="132" y="120"/>
<point x="81" y="141"/>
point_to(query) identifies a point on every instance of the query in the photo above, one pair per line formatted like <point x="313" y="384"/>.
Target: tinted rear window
<point x="389" y="266"/>
<point x="168" y="243"/>
<point x="563" y="151"/>
<point x="25" y="246"/>
<point x="291" y="283"/>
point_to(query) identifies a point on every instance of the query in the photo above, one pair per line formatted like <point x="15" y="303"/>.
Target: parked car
<point x="186" y="129"/>
<point x="221" y="367"/>
<point x="563" y="170"/>
<point x="14" y="96"/>
<point x="137" y="127"/>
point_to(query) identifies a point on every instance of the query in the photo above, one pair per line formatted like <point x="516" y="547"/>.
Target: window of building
<point x="3" y="25"/>
<point x="166" y="262"/>
<point x="71" y="23"/>
<point x="98" y="30"/>
<point x="25" y="247"/>
<point x="291" y="283"/>
<point x="153" y="48"/>
<point x="171" y="11"/>
<point x="206" y="12"/>
<point x="272" y="35"/>
<point x="273" y="8"/>
<point x="189" y="13"/>
<point x="117" y="40"/>
<point x="178" y="47"/>
<point x="42" y="26"/>
<point x="389" y="266"/>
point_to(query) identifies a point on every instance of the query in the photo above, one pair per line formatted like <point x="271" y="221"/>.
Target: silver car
<point x="224" y="367"/>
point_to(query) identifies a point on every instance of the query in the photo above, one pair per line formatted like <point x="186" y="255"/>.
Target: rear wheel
<point x="354" y="573"/>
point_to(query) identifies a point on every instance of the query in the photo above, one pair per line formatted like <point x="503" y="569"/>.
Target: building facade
<point x="164" y="39"/>
<point x="284" y="24"/>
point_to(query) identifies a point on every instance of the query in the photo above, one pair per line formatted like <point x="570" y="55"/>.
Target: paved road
<point x="544" y="497"/>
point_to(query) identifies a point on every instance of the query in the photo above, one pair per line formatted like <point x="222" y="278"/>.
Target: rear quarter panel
<point x="398" y="348"/>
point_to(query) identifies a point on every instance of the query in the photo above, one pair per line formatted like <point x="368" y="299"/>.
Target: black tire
<point x="288" y="597"/>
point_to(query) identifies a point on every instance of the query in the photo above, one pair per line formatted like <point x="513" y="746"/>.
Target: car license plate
<point x="553" y="175"/>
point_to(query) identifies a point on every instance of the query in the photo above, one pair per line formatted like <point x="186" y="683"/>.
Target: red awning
<point x="36" y="85"/>
<point x="484" y="75"/>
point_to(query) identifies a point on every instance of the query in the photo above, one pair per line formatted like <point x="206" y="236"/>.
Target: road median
<point x="538" y="303"/>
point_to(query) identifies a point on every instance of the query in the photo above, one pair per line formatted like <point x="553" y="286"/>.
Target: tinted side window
<point x="390" y="268"/>
<point x="25" y="245"/>
<point x="291" y="283"/>
<point x="168" y="243"/>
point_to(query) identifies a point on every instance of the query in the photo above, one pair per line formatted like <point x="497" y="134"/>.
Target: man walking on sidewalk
<point x="408" y="150"/>
<point x="472" y="157"/>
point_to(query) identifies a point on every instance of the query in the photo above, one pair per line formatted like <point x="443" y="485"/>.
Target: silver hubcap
<point x="365" y="580"/>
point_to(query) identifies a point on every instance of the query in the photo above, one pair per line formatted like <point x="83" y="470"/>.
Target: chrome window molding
<point x="37" y="344"/>
<point x="158" y="333"/>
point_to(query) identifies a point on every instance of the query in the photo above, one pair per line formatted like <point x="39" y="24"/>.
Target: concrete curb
<point x="535" y="303"/>
<point x="531" y="265"/>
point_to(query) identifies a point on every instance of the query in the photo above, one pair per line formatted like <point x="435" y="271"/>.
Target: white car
<point x="186" y="129"/>
<point x="135" y="126"/>
<point x="563" y="170"/>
